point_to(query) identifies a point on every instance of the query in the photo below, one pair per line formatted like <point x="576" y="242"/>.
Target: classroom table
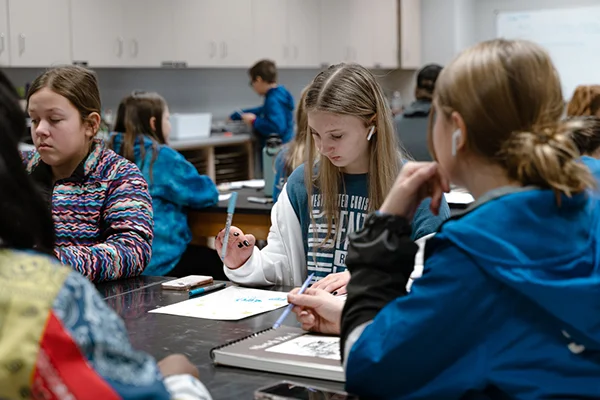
<point x="254" y="218"/>
<point x="161" y="335"/>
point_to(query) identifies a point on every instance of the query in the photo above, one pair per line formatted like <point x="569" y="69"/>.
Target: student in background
<point x="411" y="124"/>
<point x="175" y="186"/>
<point x="275" y="116"/>
<point x="585" y="101"/>
<point x="71" y="328"/>
<point x="587" y="136"/>
<point x="353" y="147"/>
<point x="507" y="304"/>
<point x="100" y="203"/>
<point x="292" y="156"/>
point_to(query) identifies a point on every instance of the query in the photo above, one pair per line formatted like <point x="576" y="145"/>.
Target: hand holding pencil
<point x="239" y="247"/>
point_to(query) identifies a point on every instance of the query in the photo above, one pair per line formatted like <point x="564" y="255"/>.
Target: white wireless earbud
<point x="455" y="137"/>
<point x="371" y="132"/>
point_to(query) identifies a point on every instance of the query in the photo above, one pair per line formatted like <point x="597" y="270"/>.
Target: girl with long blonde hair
<point x="352" y="161"/>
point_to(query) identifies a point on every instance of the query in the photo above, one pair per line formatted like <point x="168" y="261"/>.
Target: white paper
<point x="310" y="346"/>
<point x="225" y="196"/>
<point x="253" y="184"/>
<point x="459" y="198"/>
<point x="232" y="303"/>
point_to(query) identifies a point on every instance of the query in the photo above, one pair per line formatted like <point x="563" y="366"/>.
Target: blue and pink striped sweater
<point x="102" y="214"/>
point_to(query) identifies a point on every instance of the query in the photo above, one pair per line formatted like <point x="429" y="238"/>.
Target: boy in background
<point x="275" y="116"/>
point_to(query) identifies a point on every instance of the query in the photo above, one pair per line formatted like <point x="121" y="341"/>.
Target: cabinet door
<point x="98" y="36"/>
<point x="304" y="33"/>
<point x="270" y="30"/>
<point x="335" y="31"/>
<point x="149" y="32"/>
<point x="410" y="34"/>
<point x="385" y="46"/>
<point x="4" y="54"/>
<point x="196" y="32"/>
<point x="40" y="33"/>
<point x="236" y="40"/>
<point x="361" y="31"/>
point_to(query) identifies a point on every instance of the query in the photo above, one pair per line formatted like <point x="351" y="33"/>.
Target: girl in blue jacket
<point x="507" y="306"/>
<point x="175" y="186"/>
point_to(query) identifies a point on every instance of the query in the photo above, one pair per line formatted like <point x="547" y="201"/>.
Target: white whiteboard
<point x="571" y="36"/>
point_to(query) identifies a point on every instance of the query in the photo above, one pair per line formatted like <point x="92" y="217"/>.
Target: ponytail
<point x="548" y="158"/>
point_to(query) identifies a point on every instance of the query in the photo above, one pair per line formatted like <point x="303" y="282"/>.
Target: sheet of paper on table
<point x="232" y="303"/>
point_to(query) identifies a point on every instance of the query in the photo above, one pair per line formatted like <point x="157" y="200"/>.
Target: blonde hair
<point x="350" y="89"/>
<point x="296" y="153"/>
<point x="509" y="96"/>
<point x="585" y="101"/>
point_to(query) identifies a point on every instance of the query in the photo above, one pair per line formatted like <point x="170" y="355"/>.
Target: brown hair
<point x="296" y="150"/>
<point x="514" y="119"/>
<point x="77" y="84"/>
<point x="587" y="135"/>
<point x="350" y="89"/>
<point x="585" y="101"/>
<point x="265" y="69"/>
<point x="139" y="108"/>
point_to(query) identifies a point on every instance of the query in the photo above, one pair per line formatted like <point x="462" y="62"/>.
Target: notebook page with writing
<point x="230" y="304"/>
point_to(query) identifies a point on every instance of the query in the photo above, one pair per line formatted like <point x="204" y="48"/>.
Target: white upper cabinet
<point x="410" y="34"/>
<point x="335" y="31"/>
<point x="39" y="33"/>
<point x="270" y="22"/>
<point x="213" y="32"/>
<point x="98" y="32"/>
<point x="115" y="33"/>
<point x="304" y="33"/>
<point x="386" y="43"/>
<point x="4" y="52"/>
<point x="148" y="32"/>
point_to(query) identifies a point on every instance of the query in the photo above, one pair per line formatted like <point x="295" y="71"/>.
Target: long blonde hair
<point x="350" y="89"/>
<point x="297" y="148"/>
<point x="509" y="96"/>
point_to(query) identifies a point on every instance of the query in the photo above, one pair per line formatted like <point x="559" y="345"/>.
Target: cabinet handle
<point x="2" y="43"/>
<point x="295" y="52"/>
<point x="119" y="46"/>
<point x="135" y="48"/>
<point x="213" y="49"/>
<point x="223" y="50"/>
<point x="21" y="44"/>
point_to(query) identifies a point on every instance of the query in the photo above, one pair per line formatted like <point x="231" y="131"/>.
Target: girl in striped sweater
<point x="100" y="204"/>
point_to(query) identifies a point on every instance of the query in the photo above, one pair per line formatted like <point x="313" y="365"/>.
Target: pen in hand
<point x="230" y="211"/>
<point x="289" y="307"/>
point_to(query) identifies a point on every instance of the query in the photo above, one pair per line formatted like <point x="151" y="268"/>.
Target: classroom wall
<point x="218" y="91"/>
<point x="485" y="18"/>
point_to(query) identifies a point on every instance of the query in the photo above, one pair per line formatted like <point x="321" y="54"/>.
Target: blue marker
<point x="207" y="289"/>
<point x="230" y="210"/>
<point x="290" y="306"/>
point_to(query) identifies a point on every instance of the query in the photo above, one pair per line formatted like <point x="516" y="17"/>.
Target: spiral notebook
<point x="285" y="350"/>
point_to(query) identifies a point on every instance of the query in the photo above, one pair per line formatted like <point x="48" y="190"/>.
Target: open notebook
<point x="285" y="350"/>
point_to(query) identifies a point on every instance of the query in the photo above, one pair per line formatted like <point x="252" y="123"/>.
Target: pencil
<point x="230" y="210"/>
<point x="287" y="310"/>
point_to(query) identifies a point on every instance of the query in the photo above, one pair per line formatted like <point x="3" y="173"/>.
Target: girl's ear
<point x="153" y="123"/>
<point x="92" y="124"/>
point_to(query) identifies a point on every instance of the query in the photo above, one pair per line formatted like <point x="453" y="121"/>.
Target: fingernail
<point x="240" y="245"/>
<point x="334" y="293"/>
<point x="246" y="243"/>
<point x="236" y="234"/>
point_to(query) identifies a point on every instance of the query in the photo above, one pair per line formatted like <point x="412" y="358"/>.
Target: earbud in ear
<point x="455" y="137"/>
<point x="371" y="132"/>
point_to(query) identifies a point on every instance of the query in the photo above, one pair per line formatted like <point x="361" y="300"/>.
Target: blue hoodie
<point x="275" y="116"/>
<point x="175" y="186"/>
<point x="508" y="307"/>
